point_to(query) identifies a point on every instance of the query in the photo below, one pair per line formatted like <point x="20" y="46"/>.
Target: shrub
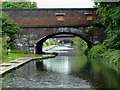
<point x="88" y="32"/>
<point x="100" y="52"/>
<point x="96" y="51"/>
<point x="82" y="44"/>
<point x="45" y="44"/>
<point x="9" y="27"/>
<point x="112" y="56"/>
<point x="51" y="41"/>
<point x="110" y="13"/>
<point x="4" y="44"/>
<point x="57" y="43"/>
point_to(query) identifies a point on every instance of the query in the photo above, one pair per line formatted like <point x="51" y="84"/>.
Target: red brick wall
<point x="47" y="17"/>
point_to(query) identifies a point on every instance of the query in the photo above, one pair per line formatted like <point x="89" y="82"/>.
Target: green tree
<point x="110" y="13"/>
<point x="19" y="4"/>
<point x="5" y="39"/>
<point x="3" y="46"/>
<point x="9" y="27"/>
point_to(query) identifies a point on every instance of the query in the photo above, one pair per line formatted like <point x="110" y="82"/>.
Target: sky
<point x="64" y="3"/>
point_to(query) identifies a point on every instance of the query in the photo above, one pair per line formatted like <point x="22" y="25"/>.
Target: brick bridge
<point x="72" y="39"/>
<point x="38" y="25"/>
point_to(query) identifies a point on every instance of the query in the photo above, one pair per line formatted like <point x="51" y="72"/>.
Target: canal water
<point x="70" y="69"/>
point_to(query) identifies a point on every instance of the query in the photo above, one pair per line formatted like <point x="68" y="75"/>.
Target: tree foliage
<point x="19" y="4"/>
<point x="5" y="39"/>
<point x="88" y="32"/>
<point x="110" y="13"/>
<point x="9" y="27"/>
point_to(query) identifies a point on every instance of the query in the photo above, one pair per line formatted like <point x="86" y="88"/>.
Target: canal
<point x="70" y="69"/>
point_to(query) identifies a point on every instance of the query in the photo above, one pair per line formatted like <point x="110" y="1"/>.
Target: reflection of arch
<point x="39" y="44"/>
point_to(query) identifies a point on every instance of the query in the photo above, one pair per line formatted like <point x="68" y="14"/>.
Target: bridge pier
<point x="39" y="48"/>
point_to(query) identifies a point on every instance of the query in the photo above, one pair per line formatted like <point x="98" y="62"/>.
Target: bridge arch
<point x="40" y="42"/>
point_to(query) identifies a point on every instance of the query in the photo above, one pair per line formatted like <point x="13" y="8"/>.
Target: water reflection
<point x="59" y="65"/>
<point x="63" y="71"/>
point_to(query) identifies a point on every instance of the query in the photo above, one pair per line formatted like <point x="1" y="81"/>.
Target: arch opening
<point x="40" y="42"/>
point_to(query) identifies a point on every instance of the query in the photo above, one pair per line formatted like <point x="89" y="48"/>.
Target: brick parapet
<point x="74" y="17"/>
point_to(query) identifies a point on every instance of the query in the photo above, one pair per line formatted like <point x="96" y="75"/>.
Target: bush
<point x="96" y="51"/>
<point x="4" y="44"/>
<point x="46" y="43"/>
<point x="88" y="32"/>
<point x="9" y="27"/>
<point x="112" y="56"/>
<point x="110" y="49"/>
<point x="57" y="43"/>
<point x="100" y="52"/>
<point x="110" y="13"/>
<point x="72" y="43"/>
<point x="82" y="44"/>
<point x="19" y="4"/>
<point x="113" y="40"/>
<point x="51" y="41"/>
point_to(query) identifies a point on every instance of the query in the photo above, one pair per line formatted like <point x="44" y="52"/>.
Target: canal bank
<point x="14" y="64"/>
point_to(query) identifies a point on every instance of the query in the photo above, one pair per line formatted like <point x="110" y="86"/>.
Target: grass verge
<point x="13" y="56"/>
